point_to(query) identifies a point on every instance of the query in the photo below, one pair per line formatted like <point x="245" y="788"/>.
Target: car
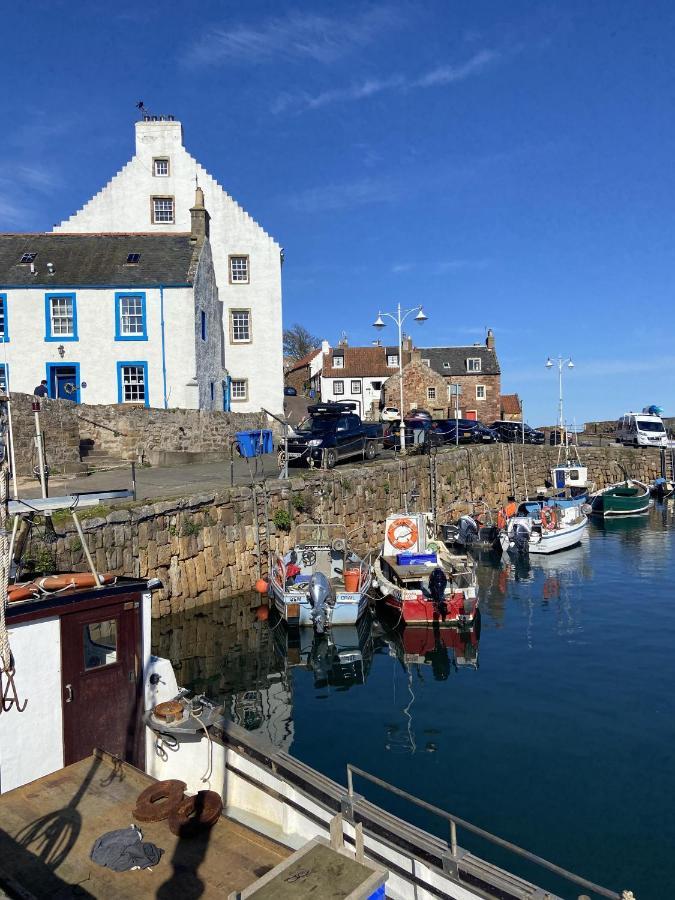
<point x="484" y="435"/>
<point x="331" y="432"/>
<point x="419" y="414"/>
<point x="389" y="414"/>
<point x="290" y="391"/>
<point x="517" y="432"/>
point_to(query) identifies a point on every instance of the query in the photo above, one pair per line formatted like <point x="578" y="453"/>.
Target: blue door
<point x="63" y="382"/>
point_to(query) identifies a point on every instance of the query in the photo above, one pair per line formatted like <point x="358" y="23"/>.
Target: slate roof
<point x="360" y="362"/>
<point x="510" y="404"/>
<point x="457" y="357"/>
<point x="98" y="259"/>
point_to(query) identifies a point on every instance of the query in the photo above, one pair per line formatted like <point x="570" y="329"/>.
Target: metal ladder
<point x="433" y="485"/>
<point x="512" y="469"/>
<point x="668" y="463"/>
<point x="261" y="525"/>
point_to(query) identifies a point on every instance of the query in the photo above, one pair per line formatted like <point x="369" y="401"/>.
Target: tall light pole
<point x="399" y="319"/>
<point x="561" y="361"/>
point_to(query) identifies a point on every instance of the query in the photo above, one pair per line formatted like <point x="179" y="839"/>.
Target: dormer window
<point x="473" y="364"/>
<point x="133" y="259"/>
<point x="446" y="365"/>
<point x="427" y="362"/>
<point x="28" y="258"/>
<point x="392" y="359"/>
<point x="338" y="361"/>
<point x="160" y="166"/>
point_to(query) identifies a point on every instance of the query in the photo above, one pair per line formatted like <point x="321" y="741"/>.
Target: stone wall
<point x="203" y="548"/>
<point x="61" y="434"/>
<point x="419" y="377"/>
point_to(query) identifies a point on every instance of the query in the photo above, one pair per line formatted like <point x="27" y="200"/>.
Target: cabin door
<point x="101" y="680"/>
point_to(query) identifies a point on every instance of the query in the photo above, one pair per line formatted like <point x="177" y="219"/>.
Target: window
<point x="4" y="331"/>
<point x="160" y="166"/>
<point x="338" y="387"/>
<point x="239" y="389"/>
<point x="356" y="387"/>
<point x="3" y="378"/>
<point x="162" y="211"/>
<point x="473" y="364"/>
<point x="376" y="385"/>
<point x="61" y="317"/>
<point x="480" y="392"/>
<point x="446" y="365"/>
<point x="202" y="320"/>
<point x="100" y="644"/>
<point x="28" y="258"/>
<point x="130" y="321"/>
<point x="239" y="270"/>
<point x="132" y="382"/>
<point x="338" y="361"/>
<point x="213" y="391"/>
<point x="431" y="393"/>
<point x="392" y="359"/>
<point x="133" y="259"/>
<point x="240" y="326"/>
<point x="427" y="362"/>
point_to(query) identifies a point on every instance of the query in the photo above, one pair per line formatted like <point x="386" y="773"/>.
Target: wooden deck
<point x="48" y="827"/>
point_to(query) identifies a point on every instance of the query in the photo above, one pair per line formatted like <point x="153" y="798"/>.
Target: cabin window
<point x="100" y="644"/>
<point x="473" y="364"/>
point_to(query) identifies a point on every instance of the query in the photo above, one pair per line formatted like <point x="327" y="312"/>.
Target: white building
<point x="153" y="192"/>
<point x="113" y="318"/>
<point x="357" y="374"/>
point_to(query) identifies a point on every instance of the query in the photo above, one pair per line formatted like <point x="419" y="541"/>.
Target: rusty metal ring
<point x="196" y="813"/>
<point x="159" y="800"/>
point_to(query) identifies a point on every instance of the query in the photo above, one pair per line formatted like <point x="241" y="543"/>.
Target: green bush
<point x="282" y="519"/>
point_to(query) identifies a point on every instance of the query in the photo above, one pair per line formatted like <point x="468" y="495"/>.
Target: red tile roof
<point x="510" y="404"/>
<point x="359" y="362"/>
<point x="303" y="361"/>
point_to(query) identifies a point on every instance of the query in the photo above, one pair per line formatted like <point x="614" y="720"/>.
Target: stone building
<point x="305" y="374"/>
<point x="510" y="408"/>
<point x="434" y="373"/>
<point x="153" y="192"/>
<point x="114" y="318"/>
<point x="359" y="373"/>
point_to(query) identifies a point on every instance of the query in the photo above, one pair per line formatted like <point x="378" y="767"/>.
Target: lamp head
<point x="570" y="365"/>
<point x="379" y="321"/>
<point x="420" y="317"/>
<point x="549" y="363"/>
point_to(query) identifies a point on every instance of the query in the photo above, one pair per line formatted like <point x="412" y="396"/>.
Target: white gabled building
<point x="357" y="374"/>
<point x="113" y="318"/>
<point x="153" y="193"/>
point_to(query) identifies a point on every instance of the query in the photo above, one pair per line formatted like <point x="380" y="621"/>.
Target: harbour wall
<point x="204" y="550"/>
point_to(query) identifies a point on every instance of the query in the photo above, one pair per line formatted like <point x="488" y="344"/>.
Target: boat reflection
<point x="444" y="650"/>
<point x="340" y="657"/>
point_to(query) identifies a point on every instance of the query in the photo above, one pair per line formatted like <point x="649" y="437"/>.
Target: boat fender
<point x="195" y="814"/>
<point x="262" y="585"/>
<point x="17" y="592"/>
<point x="405" y="542"/>
<point x="159" y="800"/>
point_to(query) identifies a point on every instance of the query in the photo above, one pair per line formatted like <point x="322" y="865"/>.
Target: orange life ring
<point x="16" y="592"/>
<point x="402" y="543"/>
<point x="73" y="580"/>
<point x="548" y="519"/>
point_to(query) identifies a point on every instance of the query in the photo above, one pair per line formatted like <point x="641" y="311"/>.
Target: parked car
<point x="514" y="432"/>
<point x="455" y="431"/>
<point x="390" y="414"/>
<point x="484" y="435"/>
<point x="641" y="430"/>
<point x="331" y="432"/>
<point x="419" y="414"/>
<point x="290" y="391"/>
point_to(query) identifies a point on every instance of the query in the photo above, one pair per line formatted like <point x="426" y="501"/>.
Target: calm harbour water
<point x="553" y="728"/>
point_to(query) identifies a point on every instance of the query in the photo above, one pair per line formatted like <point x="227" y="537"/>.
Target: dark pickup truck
<point x="331" y="432"/>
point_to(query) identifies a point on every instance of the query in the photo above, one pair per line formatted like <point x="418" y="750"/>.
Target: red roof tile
<point x="510" y="404"/>
<point x="359" y="362"/>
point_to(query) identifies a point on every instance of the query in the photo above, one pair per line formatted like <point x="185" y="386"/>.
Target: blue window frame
<point x="4" y="328"/>
<point x="132" y="382"/>
<point x="60" y="317"/>
<point x="130" y="320"/>
<point x="203" y="321"/>
<point x="4" y="378"/>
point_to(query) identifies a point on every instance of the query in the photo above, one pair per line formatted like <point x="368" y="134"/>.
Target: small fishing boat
<point x="626" y="498"/>
<point x="569" y="479"/>
<point x="662" y="488"/>
<point x="475" y="531"/>
<point x="419" y="579"/>
<point x="541" y="529"/>
<point x="320" y="582"/>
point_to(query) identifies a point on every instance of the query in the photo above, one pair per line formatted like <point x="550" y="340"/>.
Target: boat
<point x="475" y="531"/>
<point x="540" y="529"/>
<point x="320" y="582"/>
<point x="420" y="581"/>
<point x="662" y="488"/>
<point x="625" y="498"/>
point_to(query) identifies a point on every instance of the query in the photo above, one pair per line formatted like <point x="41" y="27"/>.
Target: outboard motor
<point x="321" y="598"/>
<point x="521" y="538"/>
<point x="438" y="581"/>
<point x="468" y="531"/>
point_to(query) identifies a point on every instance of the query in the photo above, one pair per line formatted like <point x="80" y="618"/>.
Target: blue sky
<point x="505" y="164"/>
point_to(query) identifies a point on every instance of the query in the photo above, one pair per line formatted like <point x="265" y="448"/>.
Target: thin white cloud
<point x="438" y="76"/>
<point x="11" y="214"/>
<point x="295" y="36"/>
<point x="450" y="265"/>
<point x="399" y="268"/>
<point x="332" y="197"/>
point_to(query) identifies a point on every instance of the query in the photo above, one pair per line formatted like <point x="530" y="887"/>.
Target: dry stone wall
<point x="203" y="548"/>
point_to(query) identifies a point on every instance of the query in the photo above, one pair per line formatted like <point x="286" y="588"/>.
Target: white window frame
<point x="473" y="364"/>
<point x="239" y="274"/>
<point x="355" y="386"/>
<point x="243" y="397"/>
<point x="157" y="162"/>
<point x="480" y="392"/>
<point x="390" y="357"/>
<point x="338" y="361"/>
<point x="431" y="393"/>
<point x="238" y="328"/>
<point x="338" y="392"/>
<point x="129" y="387"/>
<point x="161" y="220"/>
<point x="61" y="317"/>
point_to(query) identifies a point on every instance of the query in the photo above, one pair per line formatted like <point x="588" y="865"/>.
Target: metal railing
<point x="480" y="832"/>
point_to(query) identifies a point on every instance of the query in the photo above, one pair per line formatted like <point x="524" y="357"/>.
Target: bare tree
<point x="298" y="342"/>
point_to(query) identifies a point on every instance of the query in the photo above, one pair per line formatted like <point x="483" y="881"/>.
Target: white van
<point x="641" y="430"/>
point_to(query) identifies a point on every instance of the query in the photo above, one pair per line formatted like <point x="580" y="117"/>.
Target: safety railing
<point x="456" y="821"/>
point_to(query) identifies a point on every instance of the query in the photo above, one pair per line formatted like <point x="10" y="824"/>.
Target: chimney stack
<point x="490" y="339"/>
<point x="199" y="218"/>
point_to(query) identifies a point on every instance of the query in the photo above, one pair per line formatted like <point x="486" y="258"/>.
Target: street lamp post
<point x="399" y="319"/>
<point x="561" y="361"/>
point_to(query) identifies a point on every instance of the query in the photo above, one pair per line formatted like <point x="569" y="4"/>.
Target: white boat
<point x="320" y="582"/>
<point x="539" y="529"/>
